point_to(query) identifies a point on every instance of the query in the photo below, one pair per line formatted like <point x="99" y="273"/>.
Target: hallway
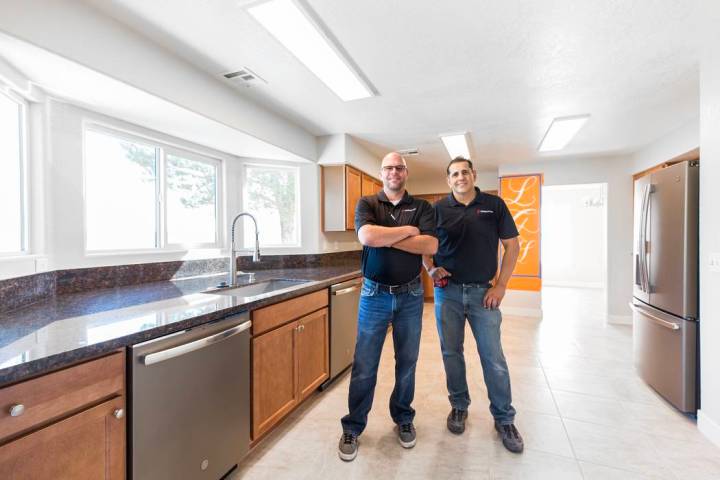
<point x="582" y="411"/>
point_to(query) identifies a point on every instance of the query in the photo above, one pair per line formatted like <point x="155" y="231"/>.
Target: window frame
<point x="162" y="148"/>
<point x="23" y="108"/>
<point x="244" y="189"/>
<point x="217" y="164"/>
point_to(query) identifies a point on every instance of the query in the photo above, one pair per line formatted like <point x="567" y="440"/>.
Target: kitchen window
<point x="271" y="194"/>
<point x="145" y="195"/>
<point x="12" y="175"/>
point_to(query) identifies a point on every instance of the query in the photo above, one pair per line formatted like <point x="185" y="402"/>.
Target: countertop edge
<point x="41" y="366"/>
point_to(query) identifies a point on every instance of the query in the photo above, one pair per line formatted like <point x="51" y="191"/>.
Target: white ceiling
<point x="500" y="70"/>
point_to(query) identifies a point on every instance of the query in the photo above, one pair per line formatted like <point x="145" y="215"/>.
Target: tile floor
<point x="582" y="410"/>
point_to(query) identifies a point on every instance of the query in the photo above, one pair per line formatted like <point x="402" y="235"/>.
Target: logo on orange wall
<point x="522" y="196"/>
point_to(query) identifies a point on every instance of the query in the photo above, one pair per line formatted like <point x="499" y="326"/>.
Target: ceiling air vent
<point x="245" y="76"/>
<point x="409" y="152"/>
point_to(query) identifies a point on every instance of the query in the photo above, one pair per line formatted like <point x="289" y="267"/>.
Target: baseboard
<point x="522" y="312"/>
<point x="620" y="319"/>
<point x="708" y="427"/>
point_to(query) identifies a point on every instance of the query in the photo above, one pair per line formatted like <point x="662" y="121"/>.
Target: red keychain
<point x="441" y="283"/>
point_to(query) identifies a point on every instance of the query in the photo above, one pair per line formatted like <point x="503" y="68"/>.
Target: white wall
<point x="573" y="235"/>
<point x="709" y="414"/>
<point x="671" y="145"/>
<point x="79" y="33"/>
<point x="614" y="171"/>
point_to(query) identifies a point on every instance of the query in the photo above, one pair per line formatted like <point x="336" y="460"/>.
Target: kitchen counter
<point x="73" y="327"/>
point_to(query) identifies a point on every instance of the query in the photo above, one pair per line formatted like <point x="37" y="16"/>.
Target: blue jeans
<point x="377" y="311"/>
<point x="453" y="304"/>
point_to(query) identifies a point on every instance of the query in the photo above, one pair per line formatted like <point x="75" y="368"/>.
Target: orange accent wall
<point x="522" y="196"/>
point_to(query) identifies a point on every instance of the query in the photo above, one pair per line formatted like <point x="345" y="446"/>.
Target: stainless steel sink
<point x="260" y="288"/>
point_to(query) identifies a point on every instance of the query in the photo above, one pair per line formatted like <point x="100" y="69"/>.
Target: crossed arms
<point x="407" y="238"/>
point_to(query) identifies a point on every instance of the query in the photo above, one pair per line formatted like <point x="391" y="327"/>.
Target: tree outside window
<point x="271" y="195"/>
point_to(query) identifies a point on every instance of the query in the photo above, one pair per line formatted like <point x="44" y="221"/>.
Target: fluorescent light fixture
<point x="293" y="27"/>
<point x="561" y="131"/>
<point x="456" y="145"/>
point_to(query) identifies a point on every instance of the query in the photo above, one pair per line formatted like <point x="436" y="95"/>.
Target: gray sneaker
<point x="456" y="420"/>
<point x="406" y="435"/>
<point x="510" y="437"/>
<point x="348" y="446"/>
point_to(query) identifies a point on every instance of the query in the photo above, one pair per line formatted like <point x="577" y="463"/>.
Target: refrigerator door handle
<point x="658" y="320"/>
<point x="641" y="240"/>
<point x="643" y="237"/>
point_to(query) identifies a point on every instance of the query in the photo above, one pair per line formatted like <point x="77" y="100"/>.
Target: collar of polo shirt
<point x="405" y="199"/>
<point x="455" y="203"/>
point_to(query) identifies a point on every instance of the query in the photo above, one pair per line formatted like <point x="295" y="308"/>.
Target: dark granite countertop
<point x="78" y="326"/>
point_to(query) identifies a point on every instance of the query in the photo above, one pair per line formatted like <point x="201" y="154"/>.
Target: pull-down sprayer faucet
<point x="233" y="261"/>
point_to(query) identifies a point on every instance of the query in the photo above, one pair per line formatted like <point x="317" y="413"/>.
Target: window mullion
<point x="160" y="203"/>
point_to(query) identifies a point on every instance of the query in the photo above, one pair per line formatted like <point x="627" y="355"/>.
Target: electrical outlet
<point x="715" y="262"/>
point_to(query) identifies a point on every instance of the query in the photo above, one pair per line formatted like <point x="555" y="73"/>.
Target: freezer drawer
<point x="664" y="348"/>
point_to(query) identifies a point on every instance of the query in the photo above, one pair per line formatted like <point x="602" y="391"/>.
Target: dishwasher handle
<point x="346" y="290"/>
<point x="174" y="352"/>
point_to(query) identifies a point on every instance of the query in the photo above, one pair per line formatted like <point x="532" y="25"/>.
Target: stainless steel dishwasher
<point x="190" y="402"/>
<point x="344" y="301"/>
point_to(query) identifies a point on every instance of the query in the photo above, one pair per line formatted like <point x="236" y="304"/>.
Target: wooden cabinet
<point x="369" y="185"/>
<point x="71" y="424"/>
<point x="341" y="188"/>
<point x="353" y="192"/>
<point x="312" y="352"/>
<point x="290" y="358"/>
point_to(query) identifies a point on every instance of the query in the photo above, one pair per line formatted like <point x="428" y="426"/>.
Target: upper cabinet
<point x="342" y="187"/>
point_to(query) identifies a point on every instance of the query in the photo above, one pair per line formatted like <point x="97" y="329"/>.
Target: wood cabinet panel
<point x="313" y="352"/>
<point x="368" y="185"/>
<point x="60" y="393"/>
<point x="274" y="377"/>
<point x="353" y="190"/>
<point x="267" y="318"/>
<point x="88" y="445"/>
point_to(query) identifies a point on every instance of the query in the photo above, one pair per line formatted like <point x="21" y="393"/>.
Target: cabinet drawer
<point x="53" y="396"/>
<point x="267" y="318"/>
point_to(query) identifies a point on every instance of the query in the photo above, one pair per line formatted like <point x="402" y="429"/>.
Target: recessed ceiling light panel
<point x="294" y="28"/>
<point x="456" y="145"/>
<point x="561" y="132"/>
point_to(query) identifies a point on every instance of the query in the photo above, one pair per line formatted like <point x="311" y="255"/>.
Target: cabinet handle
<point x="17" y="410"/>
<point x="301" y="327"/>
<point x="119" y="413"/>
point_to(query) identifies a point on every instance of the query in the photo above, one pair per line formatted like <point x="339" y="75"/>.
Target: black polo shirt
<point x="468" y="236"/>
<point x="387" y="265"/>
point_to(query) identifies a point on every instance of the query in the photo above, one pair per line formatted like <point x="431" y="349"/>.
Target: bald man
<point x="395" y="230"/>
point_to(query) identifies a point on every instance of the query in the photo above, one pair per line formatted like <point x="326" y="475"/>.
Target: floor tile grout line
<point x="562" y="420"/>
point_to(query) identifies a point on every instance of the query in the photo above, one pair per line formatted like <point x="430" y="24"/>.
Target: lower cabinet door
<point x="88" y="445"/>
<point x="274" y="383"/>
<point x="312" y="352"/>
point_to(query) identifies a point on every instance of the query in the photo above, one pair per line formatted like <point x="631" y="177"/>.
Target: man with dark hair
<point x="395" y="230"/>
<point x="469" y="225"/>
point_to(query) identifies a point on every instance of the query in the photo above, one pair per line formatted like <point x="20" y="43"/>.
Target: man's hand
<point x="411" y="230"/>
<point x="438" y="272"/>
<point x="494" y="296"/>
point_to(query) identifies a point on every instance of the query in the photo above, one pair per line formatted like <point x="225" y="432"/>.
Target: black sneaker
<point x="510" y="437"/>
<point x="348" y="447"/>
<point x="406" y="435"/>
<point x="456" y="420"/>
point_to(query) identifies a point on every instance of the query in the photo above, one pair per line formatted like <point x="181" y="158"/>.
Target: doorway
<point x="574" y="245"/>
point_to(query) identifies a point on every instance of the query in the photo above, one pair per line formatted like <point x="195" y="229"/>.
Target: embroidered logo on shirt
<point x="479" y="211"/>
<point x="409" y="210"/>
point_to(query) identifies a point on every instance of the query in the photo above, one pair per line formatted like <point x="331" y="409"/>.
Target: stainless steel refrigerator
<point x="665" y="291"/>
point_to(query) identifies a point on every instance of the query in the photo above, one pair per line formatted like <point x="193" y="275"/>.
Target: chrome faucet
<point x="233" y="261"/>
